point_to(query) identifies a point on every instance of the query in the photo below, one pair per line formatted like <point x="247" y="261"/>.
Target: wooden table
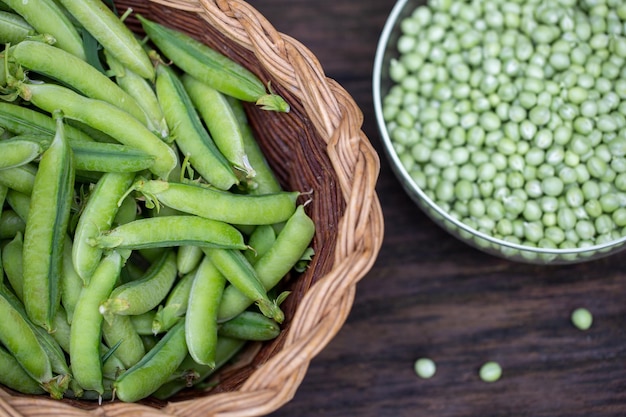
<point x="431" y="295"/>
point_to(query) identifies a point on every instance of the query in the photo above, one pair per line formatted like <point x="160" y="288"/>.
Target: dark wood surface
<point x="431" y="295"/>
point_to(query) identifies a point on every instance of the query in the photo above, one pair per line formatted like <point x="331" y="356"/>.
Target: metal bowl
<point x="386" y="51"/>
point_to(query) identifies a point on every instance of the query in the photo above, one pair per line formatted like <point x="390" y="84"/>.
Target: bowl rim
<point x="415" y="192"/>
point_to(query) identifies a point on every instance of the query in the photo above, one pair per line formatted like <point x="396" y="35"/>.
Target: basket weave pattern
<point x="317" y="147"/>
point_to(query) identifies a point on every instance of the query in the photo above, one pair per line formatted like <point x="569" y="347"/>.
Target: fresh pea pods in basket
<point x="188" y="204"/>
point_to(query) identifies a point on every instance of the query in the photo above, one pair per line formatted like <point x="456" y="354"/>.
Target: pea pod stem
<point x="46" y="227"/>
<point x="211" y="67"/>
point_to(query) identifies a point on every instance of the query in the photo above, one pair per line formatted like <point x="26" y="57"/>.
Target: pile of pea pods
<point x="143" y="232"/>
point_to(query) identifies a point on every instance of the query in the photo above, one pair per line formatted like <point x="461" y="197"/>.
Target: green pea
<point x="425" y="368"/>
<point x="581" y="318"/>
<point x="490" y="371"/>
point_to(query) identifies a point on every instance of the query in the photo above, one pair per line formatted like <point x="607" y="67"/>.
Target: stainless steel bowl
<point x="382" y="83"/>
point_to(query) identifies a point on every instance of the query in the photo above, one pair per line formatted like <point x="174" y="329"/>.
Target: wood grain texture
<point x="431" y="295"/>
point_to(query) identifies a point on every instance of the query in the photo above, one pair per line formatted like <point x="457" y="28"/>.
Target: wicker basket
<point x="318" y="146"/>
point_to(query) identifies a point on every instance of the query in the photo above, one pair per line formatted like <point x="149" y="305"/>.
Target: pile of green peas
<point x="143" y="234"/>
<point x="511" y="116"/>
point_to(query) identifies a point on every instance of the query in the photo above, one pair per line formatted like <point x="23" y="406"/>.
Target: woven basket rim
<point x="338" y="120"/>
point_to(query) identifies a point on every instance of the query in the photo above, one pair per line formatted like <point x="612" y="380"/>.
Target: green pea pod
<point x="264" y="180"/>
<point x="155" y="368"/>
<point x="20" y="339"/>
<point x="241" y="275"/>
<point x="86" y="330"/>
<point x="250" y="325"/>
<point x="175" y="305"/>
<point x="143" y="322"/>
<point x="58" y="384"/>
<point x="211" y="67"/>
<point x="71" y="283"/>
<point x="22" y="120"/>
<point x="142" y="295"/>
<point x="19" y="203"/>
<point x="188" y="258"/>
<point x="48" y="18"/>
<point x="105" y="117"/>
<point x="143" y="92"/>
<point x="97" y="215"/>
<point x="20" y="178"/>
<point x="261" y="240"/>
<point x="14" y="28"/>
<point x="3" y="195"/>
<point x="12" y="264"/>
<point x="18" y="152"/>
<point x="191" y="373"/>
<point x="200" y="320"/>
<point x="64" y="67"/>
<point x="15" y="377"/>
<point x="62" y="330"/>
<point x="119" y="331"/>
<point x="11" y="224"/>
<point x="240" y="209"/>
<point x="221" y="122"/>
<point x="166" y="231"/>
<point x="291" y="243"/>
<point x="127" y="211"/>
<point x="111" y="33"/>
<point x="46" y="227"/>
<point x="189" y="134"/>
